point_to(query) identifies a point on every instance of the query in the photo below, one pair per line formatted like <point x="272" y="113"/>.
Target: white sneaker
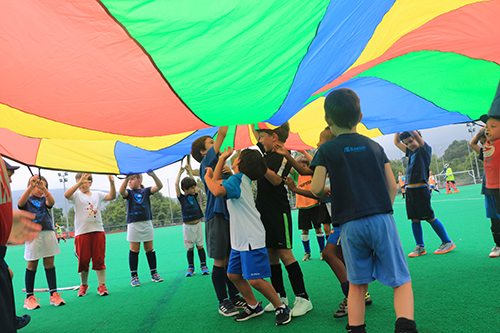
<point x="301" y="307"/>
<point x="270" y="306"/>
<point x="495" y="252"/>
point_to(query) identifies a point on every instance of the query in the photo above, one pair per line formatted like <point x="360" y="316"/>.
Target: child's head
<point x="188" y="186"/>
<point x="302" y="159"/>
<point x="268" y="137"/>
<point x="324" y="136"/>
<point x="409" y="140"/>
<point x="135" y="182"/>
<point x="38" y="189"/>
<point x="492" y="131"/>
<point x="342" y="109"/>
<point x="10" y="170"/>
<point x="400" y="173"/>
<point x="85" y="187"/>
<point x="430" y="173"/>
<point x="200" y="147"/>
<point x="251" y="163"/>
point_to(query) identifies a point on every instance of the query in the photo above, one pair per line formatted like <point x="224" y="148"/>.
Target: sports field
<point x="455" y="292"/>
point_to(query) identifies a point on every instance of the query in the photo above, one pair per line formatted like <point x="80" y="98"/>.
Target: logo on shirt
<point x="36" y="203"/>
<point x="488" y="151"/>
<point x="191" y="200"/>
<point x="92" y="210"/>
<point x="354" y="149"/>
<point x="138" y="197"/>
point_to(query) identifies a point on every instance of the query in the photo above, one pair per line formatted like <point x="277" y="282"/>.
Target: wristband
<point x="46" y="195"/>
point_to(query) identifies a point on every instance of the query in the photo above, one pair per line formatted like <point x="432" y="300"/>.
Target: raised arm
<point x="221" y="163"/>
<point x="290" y="183"/>
<point x="158" y="184"/>
<point x="213" y="185"/>
<point x="390" y="182"/>
<point x="221" y="135"/>
<point x="24" y="198"/>
<point x="417" y="138"/>
<point x="280" y="149"/>
<point x="306" y="154"/>
<point x="49" y="199"/>
<point x="398" y="143"/>
<point x="475" y="140"/>
<point x="123" y="187"/>
<point x="71" y="191"/>
<point x="112" y="190"/>
<point x="177" y="181"/>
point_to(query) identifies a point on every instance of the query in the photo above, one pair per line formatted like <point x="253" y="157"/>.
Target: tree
<point x="58" y="216"/>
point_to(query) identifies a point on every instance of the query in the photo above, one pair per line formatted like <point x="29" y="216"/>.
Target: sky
<point x="438" y="138"/>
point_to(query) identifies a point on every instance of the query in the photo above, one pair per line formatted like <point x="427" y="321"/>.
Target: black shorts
<point x="418" y="203"/>
<point x="323" y="215"/>
<point x="278" y="227"/>
<point x="217" y="237"/>
<point x="308" y="218"/>
<point x="7" y="308"/>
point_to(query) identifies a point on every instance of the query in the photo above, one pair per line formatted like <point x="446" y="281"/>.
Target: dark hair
<point x="197" y="146"/>
<point x="406" y="135"/>
<point x="79" y="175"/>
<point x="252" y="164"/>
<point x="342" y="108"/>
<point x="282" y="131"/>
<point x="187" y="182"/>
<point x="303" y="159"/>
<point x="41" y="178"/>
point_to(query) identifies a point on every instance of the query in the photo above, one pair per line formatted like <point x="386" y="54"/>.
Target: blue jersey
<point x="38" y="206"/>
<point x="418" y="164"/>
<point x="139" y="205"/>
<point x="191" y="210"/>
<point x="214" y="204"/>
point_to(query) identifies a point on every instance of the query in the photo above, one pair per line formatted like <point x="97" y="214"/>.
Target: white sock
<point x="84" y="277"/>
<point x="101" y="277"/>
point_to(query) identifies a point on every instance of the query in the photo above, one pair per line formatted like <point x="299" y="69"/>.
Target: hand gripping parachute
<point x="126" y="86"/>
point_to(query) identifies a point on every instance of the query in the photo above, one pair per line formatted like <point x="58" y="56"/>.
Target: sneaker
<point x="190" y="271"/>
<point x="22" y="321"/>
<point x="102" y="290"/>
<point x="31" y="303"/>
<point x="134" y="281"/>
<point x="368" y="299"/>
<point x="283" y="315"/>
<point x="83" y="290"/>
<point x="250" y="313"/>
<point x="419" y="251"/>
<point x="301" y="306"/>
<point x="342" y="311"/>
<point x="307" y="256"/>
<point x="448" y="192"/>
<point x="204" y="270"/>
<point x="226" y="308"/>
<point x="270" y="306"/>
<point x="239" y="302"/>
<point x="456" y="191"/>
<point x="56" y="299"/>
<point x="156" y="277"/>
<point x="495" y="252"/>
<point x="445" y="248"/>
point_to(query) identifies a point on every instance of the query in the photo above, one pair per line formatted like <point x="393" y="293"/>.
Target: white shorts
<point x="140" y="232"/>
<point x="193" y="235"/>
<point x="43" y="246"/>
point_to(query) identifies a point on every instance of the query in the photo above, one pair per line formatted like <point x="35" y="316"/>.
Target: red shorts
<point x="90" y="246"/>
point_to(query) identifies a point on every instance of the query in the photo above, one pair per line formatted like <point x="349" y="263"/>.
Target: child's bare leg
<point x="356" y="304"/>
<point x="266" y="289"/>
<point x="243" y="287"/>
<point x="337" y="266"/>
<point x="327" y="227"/>
<point x="403" y="301"/>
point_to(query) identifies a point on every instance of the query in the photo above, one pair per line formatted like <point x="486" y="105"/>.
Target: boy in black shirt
<point x="274" y="208"/>
<point x="370" y="241"/>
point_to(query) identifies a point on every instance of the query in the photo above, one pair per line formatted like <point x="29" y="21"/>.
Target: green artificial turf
<point x="454" y="292"/>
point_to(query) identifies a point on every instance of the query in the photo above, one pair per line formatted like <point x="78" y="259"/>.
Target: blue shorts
<point x="253" y="264"/>
<point x="334" y="237"/>
<point x="490" y="202"/>
<point x="372" y="251"/>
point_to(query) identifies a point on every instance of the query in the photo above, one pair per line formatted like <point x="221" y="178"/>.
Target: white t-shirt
<point x="245" y="225"/>
<point x="88" y="212"/>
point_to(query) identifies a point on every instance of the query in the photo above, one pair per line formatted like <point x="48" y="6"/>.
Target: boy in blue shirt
<point x="248" y="263"/>
<point x="370" y="241"/>
<point x="418" y="195"/>
<point x="206" y="151"/>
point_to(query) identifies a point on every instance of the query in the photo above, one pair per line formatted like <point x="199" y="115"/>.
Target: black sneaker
<point x="22" y="321"/>
<point x="227" y="309"/>
<point x="239" y="302"/>
<point x="283" y="315"/>
<point x="250" y="313"/>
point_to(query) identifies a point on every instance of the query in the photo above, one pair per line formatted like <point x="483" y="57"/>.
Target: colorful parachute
<point x="117" y="86"/>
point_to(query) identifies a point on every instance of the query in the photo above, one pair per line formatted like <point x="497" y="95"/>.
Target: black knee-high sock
<point x="151" y="255"/>
<point x="277" y="279"/>
<point x="50" y="273"/>
<point x="495" y="230"/>
<point x="297" y="280"/>
<point x="219" y="282"/>
<point x="29" y="280"/>
<point x="231" y="288"/>
<point x="190" y="256"/>
<point x="203" y="257"/>
<point x="133" y="261"/>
